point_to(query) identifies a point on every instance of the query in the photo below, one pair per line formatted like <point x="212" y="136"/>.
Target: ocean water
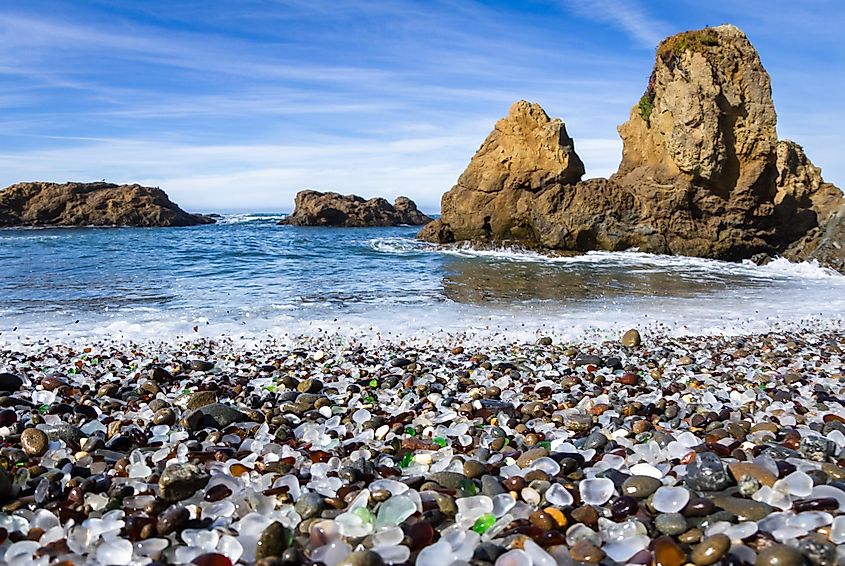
<point x="248" y="277"/>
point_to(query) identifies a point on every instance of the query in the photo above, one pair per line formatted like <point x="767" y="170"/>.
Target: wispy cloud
<point x="627" y="16"/>
<point x="242" y="104"/>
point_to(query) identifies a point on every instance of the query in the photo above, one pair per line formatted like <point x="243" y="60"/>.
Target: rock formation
<point x="702" y="171"/>
<point x="313" y="208"/>
<point x="91" y="204"/>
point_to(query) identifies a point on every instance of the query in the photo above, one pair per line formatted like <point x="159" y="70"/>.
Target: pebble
<point x="215" y="415"/>
<point x="707" y="473"/>
<point x="310" y="505"/>
<point x="779" y="555"/>
<point x="336" y="451"/>
<point x="670" y="523"/>
<point x="641" y="487"/>
<point x="362" y="558"/>
<point x="10" y="382"/>
<point x="181" y="481"/>
<point x="631" y="338"/>
<point x="710" y="550"/>
<point x="744" y="509"/>
<point x="34" y="442"/>
<point x="584" y="551"/>
<point x="529" y="456"/>
<point x="274" y="540"/>
<point x="667" y="552"/>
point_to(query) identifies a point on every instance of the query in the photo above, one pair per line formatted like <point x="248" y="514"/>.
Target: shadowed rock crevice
<point x="702" y="171"/>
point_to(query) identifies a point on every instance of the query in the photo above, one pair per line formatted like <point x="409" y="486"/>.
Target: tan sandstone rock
<point x="702" y="171"/>
<point x="526" y="153"/>
<point x="314" y="208"/>
<point x="91" y="204"/>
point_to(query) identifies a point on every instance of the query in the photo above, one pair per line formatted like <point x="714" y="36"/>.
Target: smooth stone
<point x="640" y="487"/>
<point x="34" y="442"/>
<point x="585" y="551"/>
<point x="596" y="491"/>
<point x="201" y="399"/>
<point x="631" y="338"/>
<point x="309" y="505"/>
<point x="530" y="455"/>
<point x="474" y="469"/>
<point x="585" y="359"/>
<point x="667" y="552"/>
<point x="273" y="541"/>
<point x="215" y="415"/>
<point x="7" y="488"/>
<point x="200" y="365"/>
<point x="579" y="423"/>
<point x="181" y="481"/>
<point x="10" y="382"/>
<point x="707" y="473"/>
<point x="710" y="550"/>
<point x="779" y="555"/>
<point x="172" y="519"/>
<point x="741" y="469"/>
<point x="362" y="558"/>
<point x="400" y="362"/>
<point x="744" y="509"/>
<point x="164" y="416"/>
<point x="449" y="480"/>
<point x="491" y="486"/>
<point x="64" y="432"/>
<point x="670" y="499"/>
<point x="596" y="440"/>
<point x="310" y="386"/>
<point x="670" y="523"/>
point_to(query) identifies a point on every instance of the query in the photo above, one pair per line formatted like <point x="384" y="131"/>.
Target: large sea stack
<point x="91" y="204"/>
<point x="315" y="208"/>
<point x="702" y="173"/>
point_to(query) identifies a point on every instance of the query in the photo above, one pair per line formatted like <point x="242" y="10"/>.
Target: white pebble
<point x="596" y="491"/>
<point x="670" y="499"/>
<point x="115" y="551"/>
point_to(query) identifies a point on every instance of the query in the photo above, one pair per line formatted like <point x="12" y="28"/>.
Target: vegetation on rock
<point x="695" y="41"/>
<point x="646" y="105"/>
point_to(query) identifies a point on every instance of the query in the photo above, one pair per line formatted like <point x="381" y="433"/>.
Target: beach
<point x="345" y="450"/>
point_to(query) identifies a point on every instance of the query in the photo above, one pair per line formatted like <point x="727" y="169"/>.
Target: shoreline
<point x="405" y="451"/>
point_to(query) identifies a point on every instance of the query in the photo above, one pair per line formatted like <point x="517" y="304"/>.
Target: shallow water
<point x="248" y="276"/>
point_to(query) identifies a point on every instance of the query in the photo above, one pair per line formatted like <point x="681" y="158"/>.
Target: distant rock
<point x="702" y="172"/>
<point x="314" y="208"/>
<point x="91" y="204"/>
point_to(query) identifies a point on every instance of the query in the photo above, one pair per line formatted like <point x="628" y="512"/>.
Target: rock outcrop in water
<point x="702" y="172"/>
<point x="314" y="208"/>
<point x="91" y="204"/>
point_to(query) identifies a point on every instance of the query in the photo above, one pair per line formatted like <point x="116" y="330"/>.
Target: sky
<point x="236" y="105"/>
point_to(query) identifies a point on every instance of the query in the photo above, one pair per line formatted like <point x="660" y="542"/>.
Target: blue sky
<point x="238" y="105"/>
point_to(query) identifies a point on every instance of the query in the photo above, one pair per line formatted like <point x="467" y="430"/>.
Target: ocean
<point x="248" y="277"/>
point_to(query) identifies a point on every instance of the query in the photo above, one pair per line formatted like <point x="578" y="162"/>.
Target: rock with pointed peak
<point x="702" y="173"/>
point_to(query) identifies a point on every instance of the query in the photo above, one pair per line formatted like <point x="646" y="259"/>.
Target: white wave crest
<point x="242" y="218"/>
<point x="400" y="246"/>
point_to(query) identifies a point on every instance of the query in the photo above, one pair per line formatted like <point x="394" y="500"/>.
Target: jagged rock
<point x="702" y="172"/>
<point x="825" y="244"/>
<point x="91" y="204"/>
<point x="526" y="153"/>
<point x="314" y="208"/>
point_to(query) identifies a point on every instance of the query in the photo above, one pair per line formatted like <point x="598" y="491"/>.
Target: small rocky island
<point x="702" y="174"/>
<point x="91" y="204"/>
<point x="315" y="208"/>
